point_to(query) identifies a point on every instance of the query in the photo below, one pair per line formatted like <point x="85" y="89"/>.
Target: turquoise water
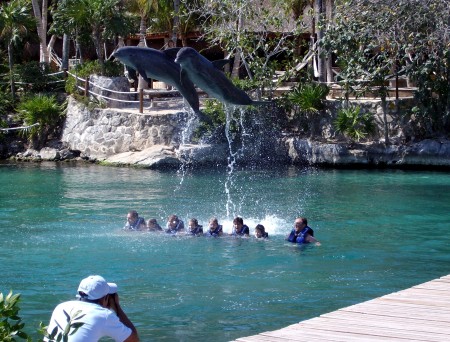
<point x="381" y="231"/>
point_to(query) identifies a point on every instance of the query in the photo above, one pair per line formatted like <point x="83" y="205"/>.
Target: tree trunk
<point x="11" y="74"/>
<point x="447" y="116"/>
<point x="329" y="61"/>
<point x="99" y="49"/>
<point x="142" y="84"/>
<point x="143" y="31"/>
<point x="238" y="54"/>
<point x="65" y="53"/>
<point x="41" y="27"/>
<point x="176" y="21"/>
<point x="320" y="59"/>
<point x="385" y="122"/>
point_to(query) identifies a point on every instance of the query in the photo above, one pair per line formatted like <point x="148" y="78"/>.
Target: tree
<point x="256" y="32"/>
<point x="100" y="19"/>
<point x="15" y="21"/>
<point x="143" y="8"/>
<point x="374" y="41"/>
<point x="41" y="26"/>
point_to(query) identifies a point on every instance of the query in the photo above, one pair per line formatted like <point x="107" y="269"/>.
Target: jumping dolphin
<point x="208" y="77"/>
<point x="159" y="65"/>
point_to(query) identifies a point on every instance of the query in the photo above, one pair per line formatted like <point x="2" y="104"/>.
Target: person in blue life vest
<point x="260" y="232"/>
<point x="153" y="226"/>
<point x="194" y="228"/>
<point x="302" y="233"/>
<point x="215" y="229"/>
<point x="239" y="228"/>
<point x="174" y="225"/>
<point x="134" y="221"/>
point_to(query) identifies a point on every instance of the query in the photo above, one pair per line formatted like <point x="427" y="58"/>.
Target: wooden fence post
<point x="86" y="86"/>
<point x="141" y="101"/>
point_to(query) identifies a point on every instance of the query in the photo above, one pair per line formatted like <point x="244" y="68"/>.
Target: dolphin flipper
<point x="220" y="63"/>
<point x="171" y="53"/>
<point x="132" y="75"/>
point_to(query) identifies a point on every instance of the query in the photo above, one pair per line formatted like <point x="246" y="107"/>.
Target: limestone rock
<point x="152" y="157"/>
<point x="48" y="153"/>
<point x="111" y="90"/>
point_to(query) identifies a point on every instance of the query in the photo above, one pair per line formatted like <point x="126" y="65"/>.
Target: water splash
<point x="234" y="124"/>
<point x="186" y="135"/>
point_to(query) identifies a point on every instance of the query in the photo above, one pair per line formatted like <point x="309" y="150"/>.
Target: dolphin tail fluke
<point x="204" y="118"/>
<point x="261" y="103"/>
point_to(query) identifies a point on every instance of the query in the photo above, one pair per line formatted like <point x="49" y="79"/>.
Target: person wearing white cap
<point x="96" y="314"/>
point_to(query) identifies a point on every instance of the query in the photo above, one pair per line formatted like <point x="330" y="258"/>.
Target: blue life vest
<point x="135" y="225"/>
<point x="197" y="230"/>
<point x="301" y="237"/>
<point x="216" y="231"/>
<point x="244" y="231"/>
<point x="179" y="226"/>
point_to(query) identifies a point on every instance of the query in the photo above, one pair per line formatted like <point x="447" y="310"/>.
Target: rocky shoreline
<point x="123" y="137"/>
<point x="427" y="154"/>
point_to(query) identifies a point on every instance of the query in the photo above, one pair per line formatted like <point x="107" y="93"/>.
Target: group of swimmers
<point x="301" y="233"/>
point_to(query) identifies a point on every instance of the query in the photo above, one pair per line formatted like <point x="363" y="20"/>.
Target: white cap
<point x="96" y="287"/>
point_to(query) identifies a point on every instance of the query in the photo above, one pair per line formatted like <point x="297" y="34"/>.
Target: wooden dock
<point x="420" y="313"/>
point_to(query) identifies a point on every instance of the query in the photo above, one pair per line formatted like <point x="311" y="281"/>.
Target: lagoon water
<point x="381" y="231"/>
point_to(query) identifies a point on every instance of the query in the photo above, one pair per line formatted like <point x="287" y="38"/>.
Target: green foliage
<point x="354" y="124"/>
<point x="3" y="124"/>
<point x="216" y="112"/>
<point x="112" y="69"/>
<point x="45" y="111"/>
<point x="60" y="333"/>
<point x="226" y="24"/>
<point x="6" y="102"/>
<point x="11" y="325"/>
<point x="373" y="39"/>
<point x="98" y="19"/>
<point x="34" y="77"/>
<point x="309" y="97"/>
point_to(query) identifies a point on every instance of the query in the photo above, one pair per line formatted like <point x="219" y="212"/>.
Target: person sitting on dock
<point x="174" y="225"/>
<point x="260" y="232"/>
<point x="134" y="222"/>
<point x="195" y="228"/>
<point x="240" y="229"/>
<point x="302" y="233"/>
<point x="215" y="229"/>
<point x="153" y="226"/>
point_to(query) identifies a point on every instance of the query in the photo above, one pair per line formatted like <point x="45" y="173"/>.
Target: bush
<point x="309" y="97"/>
<point x="44" y="111"/>
<point x="34" y="77"/>
<point x="354" y="124"/>
<point x="6" y="102"/>
<point x="11" y="325"/>
<point x="112" y="69"/>
<point x="214" y="110"/>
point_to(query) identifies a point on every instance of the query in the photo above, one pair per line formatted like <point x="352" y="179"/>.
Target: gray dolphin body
<point x="209" y="78"/>
<point x="159" y="65"/>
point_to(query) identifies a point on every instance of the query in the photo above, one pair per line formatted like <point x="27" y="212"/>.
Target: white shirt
<point x="98" y="322"/>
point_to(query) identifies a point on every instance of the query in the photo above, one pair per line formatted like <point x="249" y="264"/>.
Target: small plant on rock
<point x="43" y="114"/>
<point x="309" y="97"/>
<point x="354" y="124"/>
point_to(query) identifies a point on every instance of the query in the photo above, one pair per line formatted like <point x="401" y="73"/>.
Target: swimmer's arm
<point x="312" y="239"/>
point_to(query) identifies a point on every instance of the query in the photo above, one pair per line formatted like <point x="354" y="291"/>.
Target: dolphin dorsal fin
<point x="220" y="63"/>
<point x="171" y="53"/>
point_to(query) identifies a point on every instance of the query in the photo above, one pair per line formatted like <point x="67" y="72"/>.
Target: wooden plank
<point x="376" y="320"/>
